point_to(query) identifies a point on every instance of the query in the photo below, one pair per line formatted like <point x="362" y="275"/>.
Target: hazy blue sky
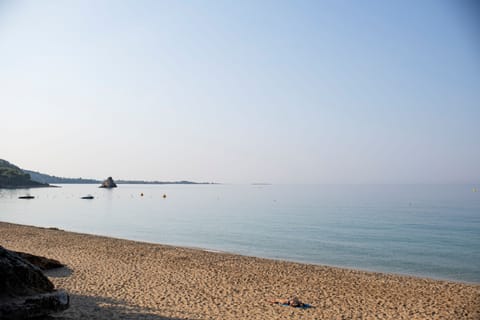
<point x="243" y="91"/>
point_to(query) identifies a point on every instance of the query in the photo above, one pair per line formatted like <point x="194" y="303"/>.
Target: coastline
<point x="29" y="187"/>
<point x="115" y="278"/>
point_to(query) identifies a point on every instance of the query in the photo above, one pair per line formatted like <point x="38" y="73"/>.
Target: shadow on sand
<point x="103" y="308"/>
<point x="59" y="272"/>
<point x="96" y="308"/>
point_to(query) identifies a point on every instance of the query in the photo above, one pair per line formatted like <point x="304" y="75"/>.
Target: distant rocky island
<point x="11" y="176"/>
<point x="108" y="183"/>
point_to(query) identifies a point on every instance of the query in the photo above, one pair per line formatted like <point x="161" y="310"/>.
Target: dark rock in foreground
<point x="41" y="262"/>
<point x="25" y="292"/>
<point x="34" y="307"/>
<point x="109" y="183"/>
<point x="19" y="277"/>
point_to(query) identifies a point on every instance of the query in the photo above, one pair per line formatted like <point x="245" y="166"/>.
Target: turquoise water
<point x="422" y="230"/>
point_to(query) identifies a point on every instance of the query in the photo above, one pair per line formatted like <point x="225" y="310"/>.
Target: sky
<point x="303" y="92"/>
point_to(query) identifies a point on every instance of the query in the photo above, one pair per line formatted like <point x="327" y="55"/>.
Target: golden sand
<point x="119" y="279"/>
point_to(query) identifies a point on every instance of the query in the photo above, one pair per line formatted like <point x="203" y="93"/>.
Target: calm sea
<point x="423" y="230"/>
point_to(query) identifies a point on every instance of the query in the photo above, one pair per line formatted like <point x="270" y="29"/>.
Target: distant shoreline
<point x="45" y="178"/>
<point x="95" y="183"/>
<point x="160" y="182"/>
<point x="29" y="187"/>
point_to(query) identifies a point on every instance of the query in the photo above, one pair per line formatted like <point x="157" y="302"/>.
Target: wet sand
<point x="111" y="278"/>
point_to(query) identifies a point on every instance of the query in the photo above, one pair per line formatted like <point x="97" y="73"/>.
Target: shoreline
<point x="116" y="278"/>
<point x="304" y="262"/>
<point x="28" y="187"/>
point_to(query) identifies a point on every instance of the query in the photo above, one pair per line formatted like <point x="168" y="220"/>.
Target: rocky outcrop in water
<point x="108" y="183"/>
<point x="25" y="292"/>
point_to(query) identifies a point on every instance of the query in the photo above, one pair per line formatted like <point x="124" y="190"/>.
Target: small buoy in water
<point x="141" y="194"/>
<point x="474" y="190"/>
<point x="164" y="196"/>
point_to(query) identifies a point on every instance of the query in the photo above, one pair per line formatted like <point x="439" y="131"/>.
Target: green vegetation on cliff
<point x="12" y="176"/>
<point x="46" y="178"/>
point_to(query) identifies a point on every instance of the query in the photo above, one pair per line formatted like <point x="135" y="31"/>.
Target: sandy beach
<point x="119" y="279"/>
